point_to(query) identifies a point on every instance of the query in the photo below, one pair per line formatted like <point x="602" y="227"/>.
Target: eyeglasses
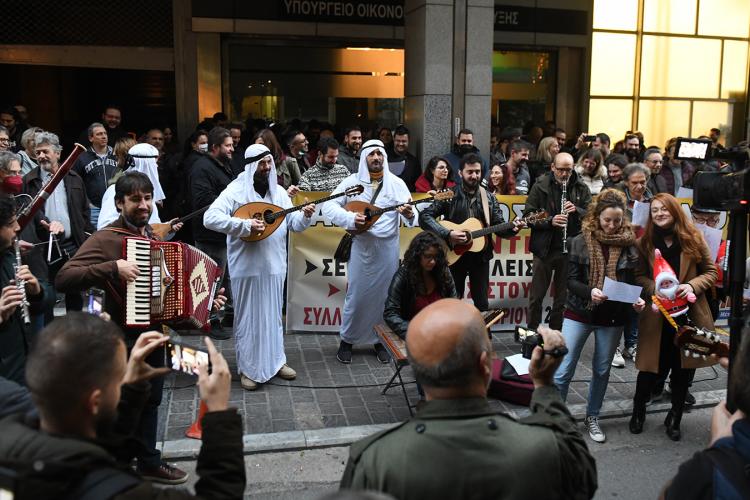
<point x="700" y="219"/>
<point x="4" y="140"/>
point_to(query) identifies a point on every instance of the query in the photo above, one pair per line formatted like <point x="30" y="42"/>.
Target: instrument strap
<point x="669" y="318"/>
<point x="485" y="205"/>
<point x="377" y="191"/>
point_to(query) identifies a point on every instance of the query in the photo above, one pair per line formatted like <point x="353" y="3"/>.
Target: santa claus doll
<point x="665" y="285"/>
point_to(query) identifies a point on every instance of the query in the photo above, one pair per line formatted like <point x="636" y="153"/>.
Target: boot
<point x="672" y="423"/>
<point x="638" y="418"/>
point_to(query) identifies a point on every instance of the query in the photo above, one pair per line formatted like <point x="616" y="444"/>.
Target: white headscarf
<point x="363" y="174"/>
<point x="253" y="154"/>
<point x="144" y="158"/>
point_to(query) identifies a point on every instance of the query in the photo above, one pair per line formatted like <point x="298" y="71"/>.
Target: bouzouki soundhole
<point x="268" y="217"/>
<point x="368" y="214"/>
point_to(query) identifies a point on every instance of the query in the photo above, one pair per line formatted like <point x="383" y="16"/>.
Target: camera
<point x="589" y="138"/>
<point x="529" y="339"/>
<point x="185" y="358"/>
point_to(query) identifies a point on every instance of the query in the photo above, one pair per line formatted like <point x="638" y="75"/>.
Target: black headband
<point x="257" y="157"/>
<point x="144" y="156"/>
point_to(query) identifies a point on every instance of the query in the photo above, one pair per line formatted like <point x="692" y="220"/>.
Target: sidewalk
<point x="332" y="404"/>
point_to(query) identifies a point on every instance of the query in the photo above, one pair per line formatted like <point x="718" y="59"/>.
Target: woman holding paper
<point x="604" y="249"/>
<point x="685" y="251"/>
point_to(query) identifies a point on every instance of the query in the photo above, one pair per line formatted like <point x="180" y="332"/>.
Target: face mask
<point x="466" y="148"/>
<point x="203" y="147"/>
<point x="12" y="184"/>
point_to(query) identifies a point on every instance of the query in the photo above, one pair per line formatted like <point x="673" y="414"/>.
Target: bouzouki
<point x="272" y="215"/>
<point x="162" y="229"/>
<point x="700" y="343"/>
<point x="372" y="213"/>
<point x="477" y="233"/>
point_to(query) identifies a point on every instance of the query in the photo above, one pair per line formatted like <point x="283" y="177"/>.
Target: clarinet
<point x="562" y="211"/>
<point x="21" y="284"/>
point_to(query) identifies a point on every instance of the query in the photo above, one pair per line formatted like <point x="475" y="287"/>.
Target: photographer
<point x="456" y="446"/>
<point x="82" y="443"/>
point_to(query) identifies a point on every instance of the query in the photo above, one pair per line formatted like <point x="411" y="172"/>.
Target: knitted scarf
<point x="598" y="268"/>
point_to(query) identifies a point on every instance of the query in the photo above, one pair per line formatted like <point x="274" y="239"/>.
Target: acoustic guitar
<point x="372" y="213"/>
<point x="477" y="233"/>
<point x="272" y="215"/>
<point x="162" y="229"/>
<point x="700" y="343"/>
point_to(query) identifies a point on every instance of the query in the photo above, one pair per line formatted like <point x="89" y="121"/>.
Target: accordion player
<point x="176" y="285"/>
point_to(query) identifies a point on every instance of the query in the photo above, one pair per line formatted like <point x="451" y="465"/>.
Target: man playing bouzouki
<point x="258" y="268"/>
<point x="375" y="252"/>
<point x="470" y="200"/>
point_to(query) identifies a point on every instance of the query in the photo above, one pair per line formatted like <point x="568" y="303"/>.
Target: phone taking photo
<point x="95" y="301"/>
<point x="589" y="138"/>
<point x="185" y="358"/>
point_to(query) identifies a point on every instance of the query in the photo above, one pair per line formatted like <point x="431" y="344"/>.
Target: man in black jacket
<point x="549" y="238"/>
<point x="210" y="174"/>
<point x="89" y="397"/>
<point x="401" y="161"/>
<point x="469" y="201"/>
<point x="96" y="167"/>
<point x="66" y="211"/>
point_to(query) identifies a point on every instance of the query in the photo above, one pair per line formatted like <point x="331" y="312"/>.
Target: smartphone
<point x="185" y="358"/>
<point x="589" y="138"/>
<point x="95" y="301"/>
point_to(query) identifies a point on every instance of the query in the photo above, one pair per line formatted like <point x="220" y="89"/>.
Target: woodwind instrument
<point x="562" y="211"/>
<point x="21" y="284"/>
<point x="27" y="212"/>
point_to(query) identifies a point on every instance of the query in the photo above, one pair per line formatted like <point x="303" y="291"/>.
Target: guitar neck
<point x="381" y="211"/>
<point x="492" y="229"/>
<point x="281" y="213"/>
<point x="193" y="214"/>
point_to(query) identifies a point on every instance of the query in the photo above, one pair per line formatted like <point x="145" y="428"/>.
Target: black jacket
<point x="546" y="194"/>
<point x="457" y="210"/>
<point x="399" y="305"/>
<point x="95" y="173"/>
<point x="78" y="203"/>
<point x="411" y="171"/>
<point x="608" y="313"/>
<point x="208" y="178"/>
<point x="69" y="461"/>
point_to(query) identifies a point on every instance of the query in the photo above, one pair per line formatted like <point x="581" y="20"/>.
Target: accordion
<point x="176" y="285"/>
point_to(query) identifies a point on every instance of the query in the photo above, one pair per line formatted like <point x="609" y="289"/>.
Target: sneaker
<point x="248" y="384"/>
<point x="287" y="373"/>
<point x="382" y="354"/>
<point x="164" y="474"/>
<point x="217" y="332"/>
<point x="344" y="353"/>
<point x="595" y="432"/>
<point x="617" y="360"/>
<point x="689" y="399"/>
<point x="630" y="353"/>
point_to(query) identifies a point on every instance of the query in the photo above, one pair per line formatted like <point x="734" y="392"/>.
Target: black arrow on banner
<point x="310" y="267"/>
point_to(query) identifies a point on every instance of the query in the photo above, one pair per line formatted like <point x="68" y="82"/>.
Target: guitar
<point x="272" y="215"/>
<point x="162" y="229"/>
<point x="372" y="213"/>
<point x="477" y="234"/>
<point x="700" y="343"/>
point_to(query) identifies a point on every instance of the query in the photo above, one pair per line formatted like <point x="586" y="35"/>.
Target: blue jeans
<point x="631" y="329"/>
<point x="606" y="340"/>
<point x="94" y="215"/>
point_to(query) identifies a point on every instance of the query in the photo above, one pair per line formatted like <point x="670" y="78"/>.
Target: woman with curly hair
<point x="422" y="278"/>
<point x="604" y="249"/>
<point x="501" y="180"/>
<point x="671" y="232"/>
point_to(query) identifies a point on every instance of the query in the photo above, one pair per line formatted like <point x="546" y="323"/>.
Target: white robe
<point x="374" y="257"/>
<point x="258" y="270"/>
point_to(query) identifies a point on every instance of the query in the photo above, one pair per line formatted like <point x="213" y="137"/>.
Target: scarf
<point x="376" y="176"/>
<point x="598" y="268"/>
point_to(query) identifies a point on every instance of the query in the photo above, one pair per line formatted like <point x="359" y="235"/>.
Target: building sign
<point x="538" y="20"/>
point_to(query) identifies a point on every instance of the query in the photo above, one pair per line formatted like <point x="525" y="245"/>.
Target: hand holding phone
<point x="185" y="358"/>
<point x="137" y="369"/>
<point x="95" y="301"/>
<point x="214" y="386"/>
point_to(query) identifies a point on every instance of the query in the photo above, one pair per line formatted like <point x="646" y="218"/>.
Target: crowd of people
<point x="77" y="379"/>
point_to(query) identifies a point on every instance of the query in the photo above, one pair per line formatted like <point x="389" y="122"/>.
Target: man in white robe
<point x="374" y="254"/>
<point x="258" y="269"/>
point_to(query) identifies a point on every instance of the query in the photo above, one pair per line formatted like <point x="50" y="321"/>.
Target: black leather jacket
<point x="399" y="306"/>
<point x="608" y="313"/>
<point x="458" y="210"/>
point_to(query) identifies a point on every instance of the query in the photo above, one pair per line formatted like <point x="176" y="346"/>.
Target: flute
<point x="562" y="211"/>
<point x="21" y="284"/>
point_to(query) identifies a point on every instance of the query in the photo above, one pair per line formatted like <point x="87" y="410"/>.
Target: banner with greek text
<point x="316" y="284"/>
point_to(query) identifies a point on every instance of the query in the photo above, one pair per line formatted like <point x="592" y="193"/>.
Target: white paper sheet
<point x="519" y="363"/>
<point x="684" y="192"/>
<point x="641" y="212"/>
<point x="713" y="239"/>
<point x="621" y="292"/>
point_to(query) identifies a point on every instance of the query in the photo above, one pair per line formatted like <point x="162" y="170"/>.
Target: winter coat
<point x="208" y="178"/>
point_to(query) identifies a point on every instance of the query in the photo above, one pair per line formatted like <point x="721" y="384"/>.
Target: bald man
<point x="549" y="238"/>
<point x="456" y="446"/>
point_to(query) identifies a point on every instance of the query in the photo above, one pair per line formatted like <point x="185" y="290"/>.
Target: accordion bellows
<point x="176" y="286"/>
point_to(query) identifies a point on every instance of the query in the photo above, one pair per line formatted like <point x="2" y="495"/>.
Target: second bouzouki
<point x="477" y="233"/>
<point x="272" y="215"/>
<point x="372" y="212"/>
<point x="162" y="229"/>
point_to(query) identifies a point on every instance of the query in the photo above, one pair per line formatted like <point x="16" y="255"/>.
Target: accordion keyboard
<point x="138" y="293"/>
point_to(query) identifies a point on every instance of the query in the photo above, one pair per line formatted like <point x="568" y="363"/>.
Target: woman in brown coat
<point x="684" y="248"/>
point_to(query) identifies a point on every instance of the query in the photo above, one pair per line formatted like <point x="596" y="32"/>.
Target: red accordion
<point x="176" y="285"/>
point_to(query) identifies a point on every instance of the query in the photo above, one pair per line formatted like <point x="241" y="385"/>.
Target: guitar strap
<point x="377" y="192"/>
<point x="485" y="206"/>
<point x="344" y="249"/>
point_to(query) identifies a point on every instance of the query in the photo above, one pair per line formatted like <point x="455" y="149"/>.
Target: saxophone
<point x="21" y="284"/>
<point x="562" y="211"/>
